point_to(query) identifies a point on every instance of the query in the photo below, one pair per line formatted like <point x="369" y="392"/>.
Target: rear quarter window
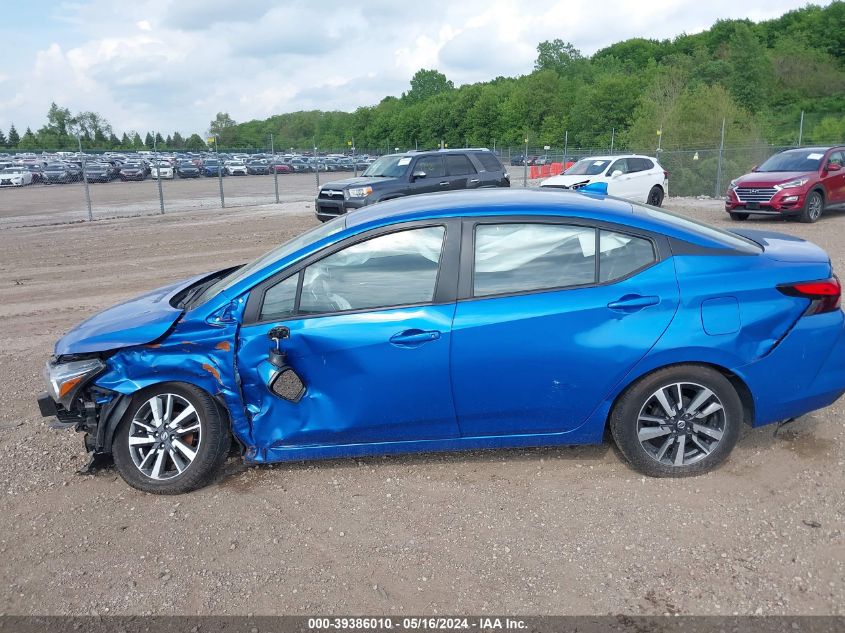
<point x="489" y="162"/>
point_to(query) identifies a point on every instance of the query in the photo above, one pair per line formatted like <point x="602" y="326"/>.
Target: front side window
<point x="280" y="300"/>
<point x="522" y="257"/>
<point x="619" y="165"/>
<point x="431" y="166"/>
<point x="390" y="270"/>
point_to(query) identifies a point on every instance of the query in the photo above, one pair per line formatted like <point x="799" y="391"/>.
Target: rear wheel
<point x="173" y="439"/>
<point x="813" y="207"/>
<point x="655" y="196"/>
<point x="679" y="421"/>
<point x="738" y="217"/>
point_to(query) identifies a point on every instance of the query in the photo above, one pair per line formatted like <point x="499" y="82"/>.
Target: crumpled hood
<point x="135" y="322"/>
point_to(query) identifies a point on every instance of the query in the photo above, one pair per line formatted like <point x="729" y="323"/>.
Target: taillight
<point x="824" y="296"/>
<point x="665" y="174"/>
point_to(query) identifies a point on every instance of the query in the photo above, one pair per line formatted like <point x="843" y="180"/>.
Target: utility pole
<point x="612" y="138"/>
<point x="316" y="166"/>
<point x="354" y="160"/>
<point x="275" y="175"/>
<point x="158" y="175"/>
<point x="719" y="164"/>
<point x="85" y="178"/>
<point x="801" y="129"/>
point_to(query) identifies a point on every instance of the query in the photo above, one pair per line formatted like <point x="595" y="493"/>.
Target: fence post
<point x="275" y="175"/>
<point x="158" y="175"/>
<point x="612" y="138"/>
<point x="801" y="129"/>
<point x="219" y="171"/>
<point x="719" y="163"/>
<point x="565" y="147"/>
<point x="525" y="165"/>
<point x="85" y="178"/>
<point x="316" y="167"/>
<point x="355" y="161"/>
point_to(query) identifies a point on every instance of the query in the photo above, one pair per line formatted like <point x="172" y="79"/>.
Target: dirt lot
<point x="524" y="531"/>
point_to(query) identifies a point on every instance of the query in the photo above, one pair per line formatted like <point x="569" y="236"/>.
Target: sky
<point x="160" y="65"/>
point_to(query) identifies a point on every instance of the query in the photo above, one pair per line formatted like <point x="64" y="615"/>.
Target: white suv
<point x="631" y="176"/>
<point x="236" y="168"/>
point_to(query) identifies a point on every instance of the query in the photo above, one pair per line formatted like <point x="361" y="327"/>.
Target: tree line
<point x="758" y="77"/>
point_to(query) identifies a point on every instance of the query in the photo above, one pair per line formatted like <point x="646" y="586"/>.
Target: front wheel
<point x="655" y="196"/>
<point x="738" y="217"/>
<point x="679" y="421"/>
<point x="172" y="439"/>
<point x="813" y="207"/>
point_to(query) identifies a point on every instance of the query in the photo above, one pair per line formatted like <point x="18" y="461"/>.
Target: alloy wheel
<point x="681" y="423"/>
<point x="814" y="209"/>
<point x="164" y="436"/>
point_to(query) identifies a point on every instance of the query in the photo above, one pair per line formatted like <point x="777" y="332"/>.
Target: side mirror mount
<point x="834" y="166"/>
<point x="417" y="175"/>
<point x="278" y="358"/>
<point x="616" y="173"/>
<point x="755" y="168"/>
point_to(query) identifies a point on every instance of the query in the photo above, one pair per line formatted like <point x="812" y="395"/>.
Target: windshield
<point x="211" y="163"/>
<point x="131" y="165"/>
<point x="288" y="248"/>
<point x="56" y="166"/>
<point x="587" y="167"/>
<point x="13" y="170"/>
<point x="388" y="167"/>
<point x="794" y="160"/>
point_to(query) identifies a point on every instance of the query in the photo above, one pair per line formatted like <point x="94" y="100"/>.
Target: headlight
<point x="798" y="182"/>
<point x="64" y="379"/>
<point x="358" y="192"/>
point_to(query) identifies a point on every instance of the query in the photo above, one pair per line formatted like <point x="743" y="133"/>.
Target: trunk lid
<point x="786" y="248"/>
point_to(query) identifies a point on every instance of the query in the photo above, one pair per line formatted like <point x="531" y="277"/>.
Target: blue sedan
<point x="468" y="320"/>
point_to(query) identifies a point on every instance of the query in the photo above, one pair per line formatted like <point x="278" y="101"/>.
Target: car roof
<point x="615" y="156"/>
<point x="538" y="202"/>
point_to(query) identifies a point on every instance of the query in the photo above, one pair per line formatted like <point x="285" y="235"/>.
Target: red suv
<point x="802" y="182"/>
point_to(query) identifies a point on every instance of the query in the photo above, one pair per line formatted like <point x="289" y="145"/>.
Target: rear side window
<point x="458" y="165"/>
<point x="639" y="164"/>
<point x="522" y="257"/>
<point x="489" y="162"/>
<point x="619" y="165"/>
<point x="280" y="300"/>
<point x="620" y="255"/>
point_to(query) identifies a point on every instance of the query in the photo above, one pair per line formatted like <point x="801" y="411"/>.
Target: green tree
<point x="751" y="74"/>
<point x="14" y="137"/>
<point x="426" y="84"/>
<point x="3" y="140"/>
<point x="148" y="141"/>
<point x="557" y="55"/>
<point x="223" y="126"/>
<point x="28" y="140"/>
<point x="195" y="143"/>
<point x="125" y="142"/>
<point x="177" y="141"/>
<point x="137" y="143"/>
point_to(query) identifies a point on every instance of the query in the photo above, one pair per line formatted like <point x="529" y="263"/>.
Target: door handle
<point x="445" y="183"/>
<point x="474" y="181"/>
<point x="411" y="338"/>
<point x="633" y="303"/>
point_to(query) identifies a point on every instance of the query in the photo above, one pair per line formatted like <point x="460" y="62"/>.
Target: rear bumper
<point x="805" y="372"/>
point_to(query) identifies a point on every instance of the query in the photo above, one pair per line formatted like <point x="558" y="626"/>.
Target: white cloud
<point x="172" y="64"/>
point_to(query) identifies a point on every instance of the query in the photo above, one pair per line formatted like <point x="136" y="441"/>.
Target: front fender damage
<point x="193" y="353"/>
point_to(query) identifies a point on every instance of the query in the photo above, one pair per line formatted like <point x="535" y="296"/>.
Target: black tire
<point x="738" y="217"/>
<point x="211" y="451"/>
<point x="813" y="207"/>
<point x="655" y="196"/>
<point x="625" y="423"/>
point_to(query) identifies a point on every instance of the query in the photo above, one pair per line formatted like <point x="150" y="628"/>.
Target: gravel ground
<point x="541" y="531"/>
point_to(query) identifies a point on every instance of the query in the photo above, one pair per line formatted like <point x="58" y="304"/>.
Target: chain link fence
<point x="72" y="186"/>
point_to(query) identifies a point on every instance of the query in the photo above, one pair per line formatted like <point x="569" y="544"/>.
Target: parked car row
<point x="67" y="167"/>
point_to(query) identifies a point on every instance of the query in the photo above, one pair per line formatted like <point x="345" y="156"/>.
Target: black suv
<point x="397" y="175"/>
